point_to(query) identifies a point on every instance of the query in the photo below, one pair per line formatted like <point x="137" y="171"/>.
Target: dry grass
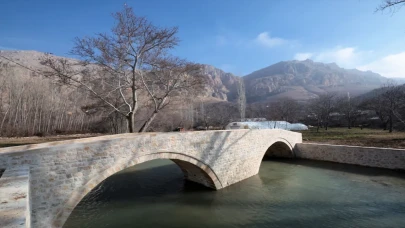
<point x="355" y="137"/>
<point x="19" y="141"/>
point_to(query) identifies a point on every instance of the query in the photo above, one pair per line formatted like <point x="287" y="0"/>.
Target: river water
<point x="286" y="193"/>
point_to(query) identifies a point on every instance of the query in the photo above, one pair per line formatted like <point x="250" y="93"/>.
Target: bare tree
<point x="349" y="108"/>
<point x="314" y="110"/>
<point x="388" y="102"/>
<point x="217" y="114"/>
<point x="113" y="64"/>
<point x="167" y="78"/>
<point x="260" y="110"/>
<point x="286" y="109"/>
<point x="321" y="109"/>
<point x="222" y="113"/>
<point x="393" y="5"/>
<point x="393" y="97"/>
<point x="378" y="105"/>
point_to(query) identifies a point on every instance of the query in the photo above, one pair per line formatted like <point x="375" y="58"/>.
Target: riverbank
<point x="355" y="137"/>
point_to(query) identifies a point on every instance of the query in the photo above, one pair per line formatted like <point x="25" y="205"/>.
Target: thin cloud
<point x="266" y="40"/>
<point x="347" y="57"/>
<point x="303" y="56"/>
<point x="392" y="66"/>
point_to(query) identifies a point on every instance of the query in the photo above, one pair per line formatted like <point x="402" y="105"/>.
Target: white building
<point x="267" y="125"/>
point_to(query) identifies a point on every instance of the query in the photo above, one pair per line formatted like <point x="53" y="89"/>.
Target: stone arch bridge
<point x="52" y="178"/>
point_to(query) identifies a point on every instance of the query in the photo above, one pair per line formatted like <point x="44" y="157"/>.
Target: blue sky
<point x="238" y="36"/>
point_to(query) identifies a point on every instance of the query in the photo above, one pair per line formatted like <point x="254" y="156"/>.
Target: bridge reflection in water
<point x="286" y="193"/>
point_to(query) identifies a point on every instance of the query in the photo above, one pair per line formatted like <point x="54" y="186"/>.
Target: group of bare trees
<point x="216" y="115"/>
<point x="321" y="109"/>
<point x="387" y="104"/>
<point x="284" y="109"/>
<point x="30" y="105"/>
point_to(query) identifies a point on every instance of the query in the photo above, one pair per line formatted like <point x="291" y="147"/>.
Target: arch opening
<point x="193" y="170"/>
<point x="279" y="150"/>
<point x="194" y="173"/>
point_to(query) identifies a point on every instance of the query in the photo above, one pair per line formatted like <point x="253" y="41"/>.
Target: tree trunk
<point x="146" y="125"/>
<point x="390" y="122"/>
<point x="130" y="122"/>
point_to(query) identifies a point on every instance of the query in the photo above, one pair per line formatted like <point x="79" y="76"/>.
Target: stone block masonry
<point x="387" y="158"/>
<point x="62" y="173"/>
<point x="14" y="198"/>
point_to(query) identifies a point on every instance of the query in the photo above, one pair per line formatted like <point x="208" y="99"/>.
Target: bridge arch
<point x="193" y="170"/>
<point x="280" y="148"/>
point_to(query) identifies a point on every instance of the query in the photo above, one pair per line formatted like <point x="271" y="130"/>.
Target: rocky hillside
<point x="220" y="85"/>
<point x="302" y="80"/>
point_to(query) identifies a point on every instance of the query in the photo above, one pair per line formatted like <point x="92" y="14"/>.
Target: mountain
<point x="220" y="85"/>
<point x="299" y="80"/>
<point x="303" y="80"/>
<point x="29" y="59"/>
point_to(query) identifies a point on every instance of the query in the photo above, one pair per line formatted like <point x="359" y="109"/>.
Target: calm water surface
<point x="285" y="194"/>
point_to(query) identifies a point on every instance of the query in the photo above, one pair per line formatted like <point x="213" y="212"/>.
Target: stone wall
<point x="14" y="198"/>
<point x="365" y="156"/>
<point x="62" y="173"/>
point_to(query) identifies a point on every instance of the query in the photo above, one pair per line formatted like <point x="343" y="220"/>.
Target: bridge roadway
<point x="43" y="183"/>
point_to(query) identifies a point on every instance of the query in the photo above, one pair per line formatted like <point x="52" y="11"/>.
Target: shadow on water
<point x="142" y="181"/>
<point x="347" y="168"/>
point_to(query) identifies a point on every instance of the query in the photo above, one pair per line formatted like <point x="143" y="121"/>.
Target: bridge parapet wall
<point x="388" y="158"/>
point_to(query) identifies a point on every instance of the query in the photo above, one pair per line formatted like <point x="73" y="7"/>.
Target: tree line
<point x="34" y="105"/>
<point x="381" y="108"/>
<point x="30" y="105"/>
